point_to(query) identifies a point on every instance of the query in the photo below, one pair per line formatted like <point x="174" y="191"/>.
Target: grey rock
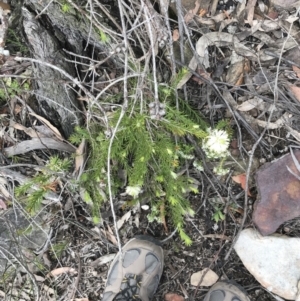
<point x="20" y="234"/>
<point x="273" y="260"/>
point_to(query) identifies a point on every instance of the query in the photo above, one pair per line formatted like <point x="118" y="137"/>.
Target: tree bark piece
<point x="4" y="10"/>
<point x="56" y="99"/>
<point x="75" y="27"/>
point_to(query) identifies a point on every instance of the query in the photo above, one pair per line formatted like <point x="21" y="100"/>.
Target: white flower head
<point x="154" y="215"/>
<point x="216" y="144"/>
<point x="220" y="171"/>
<point x="185" y="156"/>
<point x="134" y="191"/>
<point x="198" y="165"/>
<point x="173" y="175"/>
<point x="169" y="151"/>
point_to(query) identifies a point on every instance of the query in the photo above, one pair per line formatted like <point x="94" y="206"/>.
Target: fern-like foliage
<point x="34" y="190"/>
<point x="146" y="150"/>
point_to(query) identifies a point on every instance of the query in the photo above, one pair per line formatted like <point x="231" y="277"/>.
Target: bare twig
<point x="153" y="45"/>
<point x="124" y="109"/>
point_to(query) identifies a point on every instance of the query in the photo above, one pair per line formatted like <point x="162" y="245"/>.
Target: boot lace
<point x="130" y="288"/>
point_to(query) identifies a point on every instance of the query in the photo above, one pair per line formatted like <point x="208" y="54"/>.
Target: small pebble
<point x="145" y="207"/>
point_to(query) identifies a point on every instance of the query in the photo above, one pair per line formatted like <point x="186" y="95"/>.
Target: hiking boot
<point x="136" y="275"/>
<point x="226" y="291"/>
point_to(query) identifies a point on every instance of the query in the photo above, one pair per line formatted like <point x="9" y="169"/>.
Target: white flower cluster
<point x="198" y="165"/>
<point x="216" y="144"/>
<point x="220" y="171"/>
<point x="185" y="156"/>
<point x="134" y="191"/>
<point x="157" y="110"/>
<point x="154" y="215"/>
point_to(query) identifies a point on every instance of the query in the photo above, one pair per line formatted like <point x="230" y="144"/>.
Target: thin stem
<point x="124" y="109"/>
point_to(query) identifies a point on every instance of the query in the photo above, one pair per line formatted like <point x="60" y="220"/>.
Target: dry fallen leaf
<point x="162" y="217"/>
<point x="240" y="80"/>
<point x="197" y="80"/>
<point x="293" y="132"/>
<point x="80" y="157"/>
<point x="203" y="74"/>
<point x="217" y="236"/>
<point x="173" y="297"/>
<point x="4" y="193"/>
<point x="46" y="260"/>
<point x="39" y="278"/>
<point x="37" y="143"/>
<point x="29" y="131"/>
<point x="202" y="12"/>
<point x="2" y="203"/>
<point x="45" y="131"/>
<point x="278" y="193"/>
<point x="235" y="73"/>
<point x="284" y="3"/>
<point x="241" y="179"/>
<point x="296" y="91"/>
<point x="191" y="13"/>
<point x="59" y="271"/>
<point x="175" y="35"/>
<point x="273" y="15"/>
<point x="227" y="14"/>
<point x="47" y="123"/>
<point x="247" y="67"/>
<point x="110" y="236"/>
<point x="250" y="104"/>
<point x="123" y="219"/>
<point x="103" y="260"/>
<point x="17" y="109"/>
<point x="296" y="70"/>
<point x="250" y="8"/>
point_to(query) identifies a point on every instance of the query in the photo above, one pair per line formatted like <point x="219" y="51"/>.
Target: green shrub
<point x="149" y="151"/>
